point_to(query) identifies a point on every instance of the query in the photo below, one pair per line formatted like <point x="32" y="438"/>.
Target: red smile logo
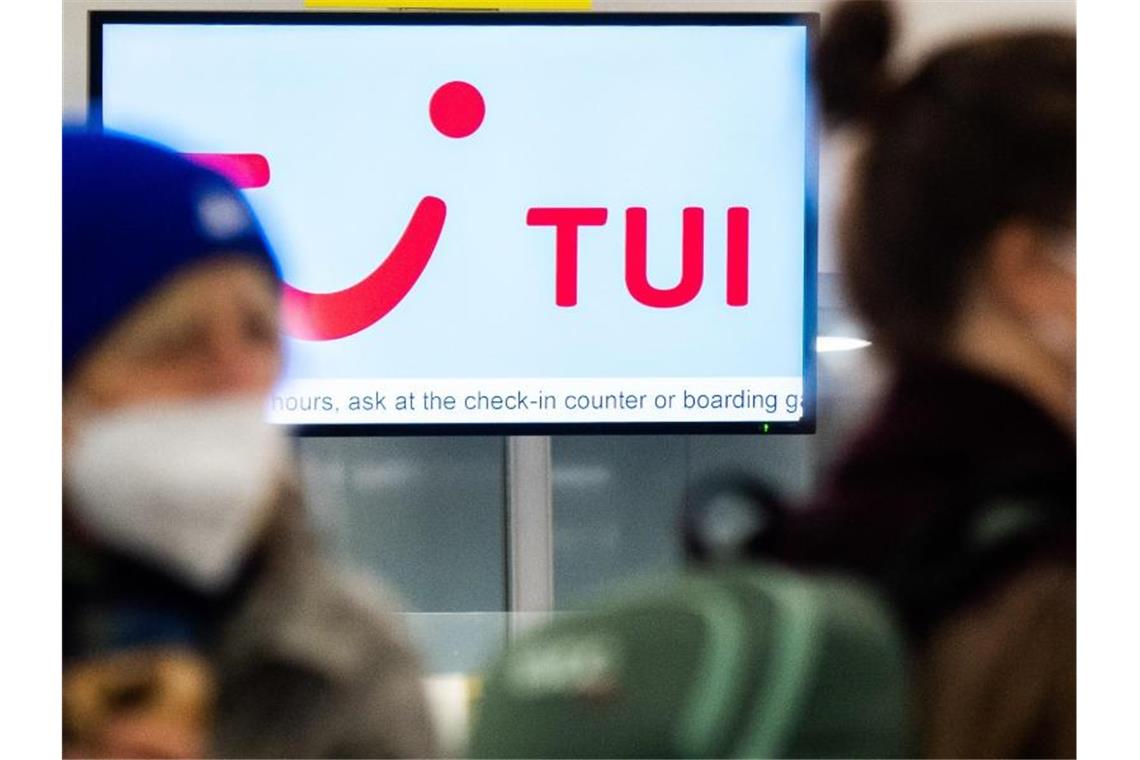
<point x="456" y="110"/>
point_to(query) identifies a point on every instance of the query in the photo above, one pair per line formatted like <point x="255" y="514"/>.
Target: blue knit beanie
<point x="135" y="213"/>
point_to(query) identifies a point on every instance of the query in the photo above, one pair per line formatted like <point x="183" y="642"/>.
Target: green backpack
<point x="753" y="661"/>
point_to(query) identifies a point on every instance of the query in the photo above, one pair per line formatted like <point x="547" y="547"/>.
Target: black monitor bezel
<point x="98" y="19"/>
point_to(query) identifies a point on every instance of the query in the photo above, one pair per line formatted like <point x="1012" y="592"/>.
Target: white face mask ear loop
<point x="1063" y="252"/>
<point x="1058" y="335"/>
<point x="1067" y="262"/>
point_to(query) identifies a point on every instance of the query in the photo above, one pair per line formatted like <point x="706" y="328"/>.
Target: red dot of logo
<point x="457" y="109"/>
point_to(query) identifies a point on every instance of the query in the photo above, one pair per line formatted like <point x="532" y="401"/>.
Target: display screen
<point x="507" y="223"/>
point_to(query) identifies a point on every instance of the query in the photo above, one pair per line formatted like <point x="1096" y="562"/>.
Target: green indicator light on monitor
<point x="765" y="427"/>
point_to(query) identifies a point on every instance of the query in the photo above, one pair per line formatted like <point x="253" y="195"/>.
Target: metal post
<point x="530" y="532"/>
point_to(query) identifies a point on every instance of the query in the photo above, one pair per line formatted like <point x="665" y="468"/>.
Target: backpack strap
<point x="958" y="555"/>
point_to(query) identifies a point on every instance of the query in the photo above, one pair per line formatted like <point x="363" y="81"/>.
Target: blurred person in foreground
<point x="958" y="244"/>
<point x="199" y="617"/>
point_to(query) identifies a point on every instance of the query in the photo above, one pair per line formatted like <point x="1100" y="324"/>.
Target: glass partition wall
<point x="444" y="523"/>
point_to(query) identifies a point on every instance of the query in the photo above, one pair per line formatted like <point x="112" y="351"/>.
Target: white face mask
<point x="185" y="485"/>
<point x="1058" y="337"/>
<point x="1058" y="334"/>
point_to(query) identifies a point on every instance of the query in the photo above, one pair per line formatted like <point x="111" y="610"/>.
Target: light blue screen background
<point x="661" y="117"/>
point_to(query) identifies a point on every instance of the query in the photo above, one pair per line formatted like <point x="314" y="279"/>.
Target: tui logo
<point x="456" y="110"/>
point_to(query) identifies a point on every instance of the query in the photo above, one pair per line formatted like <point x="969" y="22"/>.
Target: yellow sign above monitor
<point x="457" y="5"/>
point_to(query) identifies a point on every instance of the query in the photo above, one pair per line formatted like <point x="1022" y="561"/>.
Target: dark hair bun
<point x="851" y="60"/>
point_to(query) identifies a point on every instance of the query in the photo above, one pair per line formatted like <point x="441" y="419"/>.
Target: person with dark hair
<point x="199" y="617"/>
<point x="958" y="249"/>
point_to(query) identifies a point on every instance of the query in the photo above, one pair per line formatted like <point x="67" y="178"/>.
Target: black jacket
<point x="949" y="454"/>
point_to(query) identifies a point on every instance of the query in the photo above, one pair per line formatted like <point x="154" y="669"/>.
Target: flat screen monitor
<point x="507" y="223"/>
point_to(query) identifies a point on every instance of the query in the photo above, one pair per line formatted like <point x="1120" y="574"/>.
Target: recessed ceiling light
<point x="826" y="343"/>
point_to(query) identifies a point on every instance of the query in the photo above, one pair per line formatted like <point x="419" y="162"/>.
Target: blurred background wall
<point x="429" y="516"/>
